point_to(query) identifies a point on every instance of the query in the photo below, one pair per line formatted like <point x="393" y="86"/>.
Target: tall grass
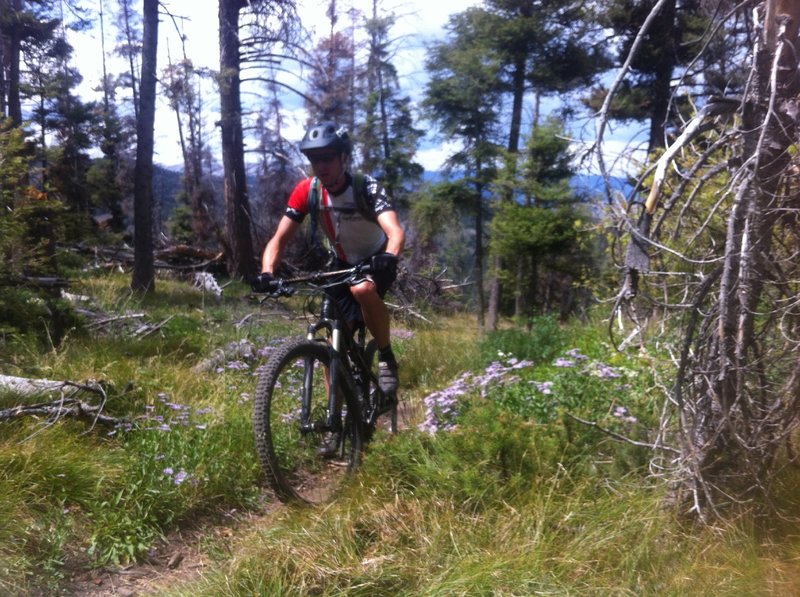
<point x="74" y="496"/>
<point x="514" y="498"/>
<point x="437" y="531"/>
<point x="511" y="501"/>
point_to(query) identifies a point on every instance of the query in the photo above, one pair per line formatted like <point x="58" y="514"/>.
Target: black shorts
<point x="347" y="304"/>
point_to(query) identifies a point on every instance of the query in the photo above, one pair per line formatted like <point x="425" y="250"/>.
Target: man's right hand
<point x="264" y="282"/>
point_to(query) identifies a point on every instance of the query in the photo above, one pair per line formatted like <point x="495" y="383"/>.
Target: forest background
<point x="347" y="74"/>
<point x="702" y="235"/>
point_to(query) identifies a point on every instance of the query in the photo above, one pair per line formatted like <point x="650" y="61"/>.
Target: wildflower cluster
<point x="572" y="387"/>
<point x="159" y="422"/>
<point x="578" y="382"/>
<point x="442" y="406"/>
<point x="176" y="478"/>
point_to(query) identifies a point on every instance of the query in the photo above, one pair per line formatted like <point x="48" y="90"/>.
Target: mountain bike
<point x="317" y="400"/>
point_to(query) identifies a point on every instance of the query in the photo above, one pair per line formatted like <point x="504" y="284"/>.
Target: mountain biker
<point x="362" y="227"/>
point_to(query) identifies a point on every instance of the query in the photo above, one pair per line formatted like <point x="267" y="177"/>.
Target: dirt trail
<point x="184" y="555"/>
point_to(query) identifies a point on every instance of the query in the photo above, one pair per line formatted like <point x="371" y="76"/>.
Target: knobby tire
<point x="294" y="469"/>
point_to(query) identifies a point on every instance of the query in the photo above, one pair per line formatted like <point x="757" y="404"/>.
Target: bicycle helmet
<point x="326" y="135"/>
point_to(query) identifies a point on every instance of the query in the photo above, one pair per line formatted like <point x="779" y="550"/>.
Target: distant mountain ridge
<point x="168" y="185"/>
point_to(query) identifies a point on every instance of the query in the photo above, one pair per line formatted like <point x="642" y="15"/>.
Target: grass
<point x="515" y="499"/>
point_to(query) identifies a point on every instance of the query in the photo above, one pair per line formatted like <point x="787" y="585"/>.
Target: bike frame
<point x="342" y="344"/>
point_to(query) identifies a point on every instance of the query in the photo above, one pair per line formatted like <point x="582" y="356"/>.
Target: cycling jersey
<point x="354" y="237"/>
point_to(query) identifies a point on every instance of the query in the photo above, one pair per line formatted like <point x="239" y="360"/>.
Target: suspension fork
<point x="337" y="376"/>
<point x="334" y="414"/>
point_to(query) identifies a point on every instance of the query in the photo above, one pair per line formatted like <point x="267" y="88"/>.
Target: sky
<point x="418" y="24"/>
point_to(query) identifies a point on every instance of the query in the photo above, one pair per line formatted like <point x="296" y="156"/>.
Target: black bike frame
<point x="341" y="345"/>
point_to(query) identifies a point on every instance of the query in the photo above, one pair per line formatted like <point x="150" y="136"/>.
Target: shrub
<point x="23" y="311"/>
<point x="541" y="343"/>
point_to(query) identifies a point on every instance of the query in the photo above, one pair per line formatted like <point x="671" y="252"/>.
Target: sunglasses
<point x="322" y="158"/>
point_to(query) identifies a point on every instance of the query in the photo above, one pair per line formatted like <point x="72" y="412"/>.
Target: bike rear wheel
<point x="289" y="454"/>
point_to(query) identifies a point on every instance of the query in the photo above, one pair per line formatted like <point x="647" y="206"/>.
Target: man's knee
<point x="364" y="291"/>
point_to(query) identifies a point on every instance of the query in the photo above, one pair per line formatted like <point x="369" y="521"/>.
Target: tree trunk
<point x="126" y="11"/>
<point x="495" y="288"/>
<point x="479" y="296"/>
<point x="661" y="89"/>
<point x="143" y="267"/>
<point x="241" y="257"/>
<point x="14" y="50"/>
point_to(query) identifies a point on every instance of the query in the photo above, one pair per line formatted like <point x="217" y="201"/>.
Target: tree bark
<point x="14" y="50"/>
<point x="241" y="257"/>
<point x="143" y="269"/>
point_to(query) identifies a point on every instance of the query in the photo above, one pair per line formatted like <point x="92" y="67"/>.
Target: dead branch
<point x="57" y="409"/>
<point x="66" y="405"/>
<point x="622" y="438"/>
<point x="147" y="329"/>
<point x="107" y="320"/>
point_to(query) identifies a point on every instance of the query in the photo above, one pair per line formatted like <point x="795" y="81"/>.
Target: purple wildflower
<point x="604" y="371"/>
<point x="180" y="477"/>
<point x="168" y="471"/>
<point x="545" y="387"/>
<point x="575" y="353"/>
<point x="562" y="362"/>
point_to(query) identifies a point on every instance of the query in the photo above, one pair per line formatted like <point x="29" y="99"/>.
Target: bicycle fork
<point x="337" y="377"/>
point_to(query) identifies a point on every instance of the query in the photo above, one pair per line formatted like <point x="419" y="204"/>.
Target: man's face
<point x="328" y="166"/>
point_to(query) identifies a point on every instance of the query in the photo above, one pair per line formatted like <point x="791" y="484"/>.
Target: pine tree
<point x="463" y="99"/>
<point x="388" y="138"/>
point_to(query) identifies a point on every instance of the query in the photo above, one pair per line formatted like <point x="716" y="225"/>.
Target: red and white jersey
<point x="353" y="237"/>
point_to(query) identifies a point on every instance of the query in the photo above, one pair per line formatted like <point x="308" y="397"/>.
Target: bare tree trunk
<point x="240" y="255"/>
<point x="143" y="267"/>
<point x="14" y="50"/>
<point x="126" y="10"/>
<point x="495" y="288"/>
<point x="479" y="253"/>
<point x="736" y="388"/>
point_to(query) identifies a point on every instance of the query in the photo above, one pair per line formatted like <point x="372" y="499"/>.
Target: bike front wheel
<point x="303" y="460"/>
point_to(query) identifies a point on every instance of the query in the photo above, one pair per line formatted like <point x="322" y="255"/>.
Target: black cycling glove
<point x="264" y="282"/>
<point x="384" y="262"/>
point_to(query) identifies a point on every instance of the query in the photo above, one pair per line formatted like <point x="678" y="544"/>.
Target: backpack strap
<point x="360" y="195"/>
<point x="314" y="198"/>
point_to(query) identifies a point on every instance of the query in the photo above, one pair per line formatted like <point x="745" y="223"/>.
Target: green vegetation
<point x="496" y="487"/>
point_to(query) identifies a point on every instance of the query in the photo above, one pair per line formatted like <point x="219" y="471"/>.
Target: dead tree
<point x="715" y="251"/>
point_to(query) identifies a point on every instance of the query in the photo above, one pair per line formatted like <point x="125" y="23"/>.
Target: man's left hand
<point x="384" y="262"/>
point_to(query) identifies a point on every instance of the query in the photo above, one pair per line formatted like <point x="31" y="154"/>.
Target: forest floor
<point x="187" y="553"/>
<point x="183" y="556"/>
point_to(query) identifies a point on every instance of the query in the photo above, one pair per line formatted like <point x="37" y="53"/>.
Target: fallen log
<point x="66" y="405"/>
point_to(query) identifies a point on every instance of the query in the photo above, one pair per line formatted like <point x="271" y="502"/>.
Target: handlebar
<point x="284" y="286"/>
